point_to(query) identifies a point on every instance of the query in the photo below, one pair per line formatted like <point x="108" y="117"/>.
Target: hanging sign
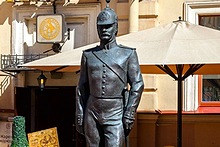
<point x="50" y="28"/>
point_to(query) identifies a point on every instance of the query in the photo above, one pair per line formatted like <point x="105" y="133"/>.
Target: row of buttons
<point x="103" y="79"/>
<point x="79" y="120"/>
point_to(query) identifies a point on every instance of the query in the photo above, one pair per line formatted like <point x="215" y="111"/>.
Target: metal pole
<point x="180" y="78"/>
<point x="54" y="7"/>
<point x="179" y="114"/>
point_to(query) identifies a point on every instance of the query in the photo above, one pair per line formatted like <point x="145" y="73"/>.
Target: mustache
<point x="105" y="34"/>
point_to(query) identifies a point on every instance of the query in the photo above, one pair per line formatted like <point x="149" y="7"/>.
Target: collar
<point x="109" y="45"/>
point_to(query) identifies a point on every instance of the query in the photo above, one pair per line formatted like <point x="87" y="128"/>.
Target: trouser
<point x="103" y="122"/>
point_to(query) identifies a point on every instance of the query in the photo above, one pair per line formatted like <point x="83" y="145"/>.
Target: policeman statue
<point x="105" y="106"/>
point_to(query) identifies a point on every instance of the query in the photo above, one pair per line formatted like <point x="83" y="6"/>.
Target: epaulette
<point x="126" y="47"/>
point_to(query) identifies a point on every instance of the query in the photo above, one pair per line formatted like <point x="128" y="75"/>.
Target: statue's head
<point x="107" y="24"/>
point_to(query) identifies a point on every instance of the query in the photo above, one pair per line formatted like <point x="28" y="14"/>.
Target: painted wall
<point x="160" y="130"/>
<point x="151" y="13"/>
<point x="160" y="91"/>
<point x="169" y="10"/>
<point x="164" y="96"/>
<point x="6" y="82"/>
<point x="5" y="26"/>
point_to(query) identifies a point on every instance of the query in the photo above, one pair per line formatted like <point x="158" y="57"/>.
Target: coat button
<point x="103" y="81"/>
<point x="104" y="71"/>
<point x="103" y="92"/>
<point x="103" y="87"/>
<point x="104" y="76"/>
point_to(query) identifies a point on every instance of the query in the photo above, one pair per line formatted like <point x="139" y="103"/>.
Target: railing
<point x="11" y="62"/>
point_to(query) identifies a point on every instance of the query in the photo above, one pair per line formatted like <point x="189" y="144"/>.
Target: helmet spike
<point x="107" y="1"/>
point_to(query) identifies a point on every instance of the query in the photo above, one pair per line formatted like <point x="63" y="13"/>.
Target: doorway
<point x="52" y="107"/>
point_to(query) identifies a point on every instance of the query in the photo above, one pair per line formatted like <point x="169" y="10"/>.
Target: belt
<point x="107" y="97"/>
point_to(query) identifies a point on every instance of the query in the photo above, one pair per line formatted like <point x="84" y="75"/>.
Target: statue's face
<point x="107" y="32"/>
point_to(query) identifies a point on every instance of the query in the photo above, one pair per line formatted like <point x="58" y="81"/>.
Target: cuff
<point x="130" y="114"/>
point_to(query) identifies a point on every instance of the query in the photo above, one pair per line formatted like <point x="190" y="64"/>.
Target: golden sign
<point x="50" y="28"/>
<point x="44" y="138"/>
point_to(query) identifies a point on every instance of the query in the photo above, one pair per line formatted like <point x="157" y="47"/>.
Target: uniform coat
<point x="104" y="78"/>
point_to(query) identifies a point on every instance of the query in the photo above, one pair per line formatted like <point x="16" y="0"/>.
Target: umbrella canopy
<point x="179" y="42"/>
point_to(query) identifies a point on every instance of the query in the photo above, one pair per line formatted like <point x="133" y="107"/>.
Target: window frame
<point x="200" y="77"/>
<point x="207" y="103"/>
<point x="191" y="13"/>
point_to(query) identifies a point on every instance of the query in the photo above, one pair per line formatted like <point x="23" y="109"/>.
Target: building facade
<point x="21" y="95"/>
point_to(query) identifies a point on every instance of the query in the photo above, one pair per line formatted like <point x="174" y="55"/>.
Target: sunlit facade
<point x="21" y="95"/>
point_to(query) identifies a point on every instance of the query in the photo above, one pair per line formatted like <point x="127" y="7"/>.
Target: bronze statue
<point x="105" y="107"/>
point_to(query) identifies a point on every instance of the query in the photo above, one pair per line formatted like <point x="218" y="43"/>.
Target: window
<point x="210" y="88"/>
<point x="210" y="83"/>
<point x="207" y="90"/>
<point x="211" y="21"/>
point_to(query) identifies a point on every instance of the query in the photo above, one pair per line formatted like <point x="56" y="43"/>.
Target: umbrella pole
<point x="179" y="69"/>
<point x="179" y="114"/>
<point x="180" y="78"/>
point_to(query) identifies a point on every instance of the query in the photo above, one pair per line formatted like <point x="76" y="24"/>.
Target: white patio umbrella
<point x="179" y="49"/>
<point x="179" y="42"/>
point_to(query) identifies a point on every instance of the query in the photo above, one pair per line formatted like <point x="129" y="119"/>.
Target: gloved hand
<point x="128" y="125"/>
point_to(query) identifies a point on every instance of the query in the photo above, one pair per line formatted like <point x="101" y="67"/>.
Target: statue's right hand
<point x="80" y="129"/>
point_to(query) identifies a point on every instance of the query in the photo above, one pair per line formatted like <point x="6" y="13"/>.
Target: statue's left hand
<point x="128" y="125"/>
